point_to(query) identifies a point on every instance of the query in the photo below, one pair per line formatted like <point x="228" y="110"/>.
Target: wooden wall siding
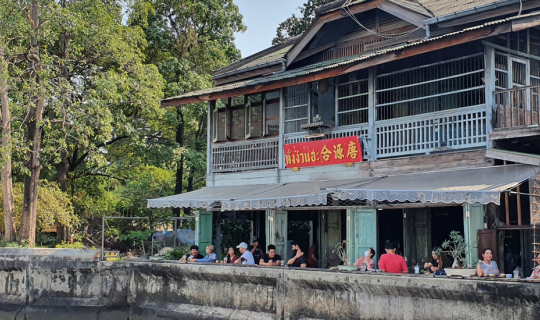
<point x="245" y="155"/>
<point x="446" y="130"/>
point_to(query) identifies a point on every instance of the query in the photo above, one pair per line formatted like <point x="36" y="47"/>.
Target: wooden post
<point x="372" y="114"/>
<point x="507" y="203"/>
<point x="489" y="53"/>
<point x="519" y="205"/>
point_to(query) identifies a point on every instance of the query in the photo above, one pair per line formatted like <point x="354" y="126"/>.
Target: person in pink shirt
<point x="391" y="262"/>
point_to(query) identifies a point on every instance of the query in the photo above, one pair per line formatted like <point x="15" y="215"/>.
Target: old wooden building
<point x="387" y="120"/>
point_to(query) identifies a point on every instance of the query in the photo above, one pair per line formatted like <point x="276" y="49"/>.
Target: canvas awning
<point x="480" y="185"/>
<point x="255" y="197"/>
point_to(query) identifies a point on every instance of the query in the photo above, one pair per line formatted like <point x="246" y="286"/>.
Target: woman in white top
<point x="488" y="266"/>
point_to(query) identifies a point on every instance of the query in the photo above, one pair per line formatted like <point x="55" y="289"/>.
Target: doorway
<point x="390" y="229"/>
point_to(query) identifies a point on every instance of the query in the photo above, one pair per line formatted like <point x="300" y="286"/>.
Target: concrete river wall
<point x="74" y="284"/>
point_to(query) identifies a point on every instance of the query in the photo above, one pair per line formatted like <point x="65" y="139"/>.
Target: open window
<point x="220" y="121"/>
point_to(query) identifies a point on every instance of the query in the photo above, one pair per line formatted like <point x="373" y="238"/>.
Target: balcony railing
<point x="518" y="107"/>
<point x="245" y="155"/>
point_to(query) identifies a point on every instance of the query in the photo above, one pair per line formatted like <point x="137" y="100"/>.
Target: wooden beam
<point x="489" y="14"/>
<point x="403" y="13"/>
<point x="513" y="156"/>
<point x="418" y="34"/>
<point x="525" y="23"/>
<point x="313" y="51"/>
<point x="429" y="46"/>
<point x="501" y="134"/>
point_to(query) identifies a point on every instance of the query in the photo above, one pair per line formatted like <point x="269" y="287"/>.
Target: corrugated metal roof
<point x="331" y="63"/>
<point x="414" y="6"/>
<point x="444" y="7"/>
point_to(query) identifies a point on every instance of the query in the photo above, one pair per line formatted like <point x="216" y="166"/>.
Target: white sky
<point x="262" y="18"/>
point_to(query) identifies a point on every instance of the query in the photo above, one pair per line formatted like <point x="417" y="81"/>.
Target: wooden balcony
<point x="245" y="155"/>
<point x="517" y="113"/>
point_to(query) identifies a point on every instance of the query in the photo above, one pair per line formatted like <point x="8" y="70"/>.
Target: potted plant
<point x="456" y="247"/>
<point x="341" y="251"/>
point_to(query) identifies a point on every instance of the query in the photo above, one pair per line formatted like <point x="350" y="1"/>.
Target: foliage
<point x="54" y="206"/>
<point x="234" y="232"/>
<point x="456" y="247"/>
<point x="297" y="25"/>
<point x="67" y="245"/>
<point x="177" y="253"/>
<point x="340" y="250"/>
<point x="45" y="240"/>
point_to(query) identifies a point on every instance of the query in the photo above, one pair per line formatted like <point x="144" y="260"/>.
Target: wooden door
<point x="487" y="239"/>
<point x="203" y="230"/>
<point x="330" y="222"/>
<point x="361" y="232"/>
<point x="473" y="221"/>
<point x="417" y="236"/>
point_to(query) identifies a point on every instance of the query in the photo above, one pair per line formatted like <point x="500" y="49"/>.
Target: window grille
<point x="271" y="113"/>
<point x="439" y="86"/>
<point x="352" y="102"/>
<point x="296" y="107"/>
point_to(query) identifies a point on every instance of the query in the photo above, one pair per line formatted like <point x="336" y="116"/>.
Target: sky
<point x="262" y="18"/>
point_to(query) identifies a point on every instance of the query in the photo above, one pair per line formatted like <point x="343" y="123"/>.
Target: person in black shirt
<point x="439" y="262"/>
<point x="194" y="254"/>
<point x="299" y="258"/>
<point x="256" y="250"/>
<point x="271" y="259"/>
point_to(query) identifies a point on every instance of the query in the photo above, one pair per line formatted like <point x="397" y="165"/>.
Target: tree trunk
<point x="180" y="138"/>
<point x="7" y="182"/>
<point x="31" y="182"/>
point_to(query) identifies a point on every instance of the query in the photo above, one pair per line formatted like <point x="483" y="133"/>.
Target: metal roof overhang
<point x="479" y="185"/>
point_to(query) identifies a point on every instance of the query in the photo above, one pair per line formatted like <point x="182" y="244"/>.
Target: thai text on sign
<point x="323" y="152"/>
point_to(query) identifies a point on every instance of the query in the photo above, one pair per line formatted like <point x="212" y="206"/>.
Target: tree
<point x="188" y="39"/>
<point x="297" y="25"/>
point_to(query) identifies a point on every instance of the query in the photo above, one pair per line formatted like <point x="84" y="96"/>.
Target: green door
<point x="361" y="232"/>
<point x="203" y="230"/>
<point x="473" y="220"/>
<point x="277" y="231"/>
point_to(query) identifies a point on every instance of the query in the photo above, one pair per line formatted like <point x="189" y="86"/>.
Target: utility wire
<point x="345" y="7"/>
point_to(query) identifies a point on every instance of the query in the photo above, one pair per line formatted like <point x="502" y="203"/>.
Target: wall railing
<point x="245" y="155"/>
<point x="518" y="107"/>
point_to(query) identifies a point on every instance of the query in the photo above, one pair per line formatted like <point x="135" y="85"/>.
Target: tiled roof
<point x="329" y="64"/>
<point x="412" y="5"/>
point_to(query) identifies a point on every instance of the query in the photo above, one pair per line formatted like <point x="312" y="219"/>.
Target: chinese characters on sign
<point x="323" y="152"/>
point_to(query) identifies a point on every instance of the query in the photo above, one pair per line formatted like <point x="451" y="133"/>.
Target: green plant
<point x="341" y="251"/>
<point x="67" y="245"/>
<point x="176" y="253"/>
<point x="45" y="240"/>
<point x="456" y="247"/>
<point x="137" y="238"/>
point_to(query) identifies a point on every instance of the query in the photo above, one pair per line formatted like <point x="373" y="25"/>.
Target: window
<point x="271" y="114"/>
<point x="352" y="99"/>
<point x="296" y="107"/>
<point x="244" y="117"/>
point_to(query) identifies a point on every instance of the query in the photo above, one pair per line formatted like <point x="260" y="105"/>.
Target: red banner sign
<point x="323" y="152"/>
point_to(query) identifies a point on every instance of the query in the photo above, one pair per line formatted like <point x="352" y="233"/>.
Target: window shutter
<point x="247" y="115"/>
<point x="215" y="123"/>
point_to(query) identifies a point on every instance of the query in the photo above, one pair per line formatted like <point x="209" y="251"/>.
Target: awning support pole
<point x="519" y="204"/>
<point x="507" y="204"/>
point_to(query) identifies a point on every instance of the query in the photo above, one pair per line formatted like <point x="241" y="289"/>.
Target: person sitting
<point x="194" y="254"/>
<point x="231" y="256"/>
<point x="246" y="257"/>
<point x="210" y="255"/>
<point x="312" y="256"/>
<point x="488" y="266"/>
<point x="536" y="272"/>
<point x="439" y="262"/>
<point x="392" y="263"/>
<point x="367" y="259"/>
<point x="271" y="259"/>
<point x="299" y="258"/>
<point x="256" y="250"/>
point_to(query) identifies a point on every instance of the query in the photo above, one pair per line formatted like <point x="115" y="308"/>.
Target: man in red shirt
<point x="391" y="262"/>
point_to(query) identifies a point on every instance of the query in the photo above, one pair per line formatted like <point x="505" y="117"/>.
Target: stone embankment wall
<point x="74" y="284"/>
